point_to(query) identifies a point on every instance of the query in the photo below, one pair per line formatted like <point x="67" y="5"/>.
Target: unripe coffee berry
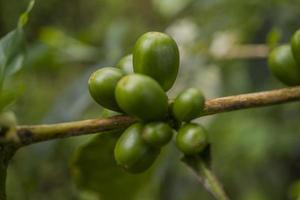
<point x="283" y="65"/>
<point x="188" y="105"/>
<point x="141" y="96"/>
<point x="191" y="139"/>
<point x="132" y="153"/>
<point x="157" y="134"/>
<point x="156" y="55"/>
<point x="102" y="84"/>
<point x="126" y="64"/>
<point x="295" y="45"/>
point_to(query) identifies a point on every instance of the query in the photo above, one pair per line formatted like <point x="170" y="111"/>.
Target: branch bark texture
<point x="37" y="133"/>
<point x="29" y="134"/>
<point x="6" y="153"/>
<point x="251" y="100"/>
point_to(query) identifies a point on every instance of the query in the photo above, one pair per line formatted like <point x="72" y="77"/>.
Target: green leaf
<point x="68" y="48"/>
<point x="15" y="65"/>
<point x="12" y="48"/>
<point x="23" y="19"/>
<point x="294" y="190"/>
<point x="94" y="169"/>
<point x="7" y="97"/>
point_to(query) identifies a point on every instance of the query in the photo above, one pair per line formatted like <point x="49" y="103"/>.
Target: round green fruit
<point x="295" y="44"/>
<point x="283" y="65"/>
<point x="141" y="96"/>
<point x="102" y="84"/>
<point x="188" y="105"/>
<point x="157" y="134"/>
<point x="191" y="139"/>
<point x="156" y="54"/>
<point x="125" y="64"/>
<point x="132" y="153"/>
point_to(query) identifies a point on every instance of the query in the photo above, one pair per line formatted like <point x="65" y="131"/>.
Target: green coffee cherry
<point x="295" y="44"/>
<point x="157" y="134"/>
<point x="156" y="54"/>
<point x="132" y="153"/>
<point x="191" y="139"/>
<point x="141" y="96"/>
<point x="125" y="64"/>
<point x="188" y="105"/>
<point x="283" y="65"/>
<point x="102" y="85"/>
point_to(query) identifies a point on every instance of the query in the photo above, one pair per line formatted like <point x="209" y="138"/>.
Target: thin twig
<point x="206" y="177"/>
<point x="29" y="134"/>
<point x="249" y="51"/>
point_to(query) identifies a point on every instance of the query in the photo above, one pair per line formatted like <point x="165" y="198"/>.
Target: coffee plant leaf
<point x="94" y="169"/>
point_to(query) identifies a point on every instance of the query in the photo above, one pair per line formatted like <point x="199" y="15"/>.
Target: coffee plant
<point x="147" y="120"/>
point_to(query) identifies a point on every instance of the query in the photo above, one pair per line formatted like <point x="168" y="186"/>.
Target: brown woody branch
<point x="38" y="133"/>
<point x="249" y="51"/>
<point x="251" y="100"/>
<point x="29" y="134"/>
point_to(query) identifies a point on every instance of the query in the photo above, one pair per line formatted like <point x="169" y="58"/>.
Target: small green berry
<point x="141" y="96"/>
<point x="191" y="139"/>
<point x="283" y="65"/>
<point x="295" y="45"/>
<point x="102" y="84"/>
<point x="132" y="153"/>
<point x="156" y="55"/>
<point x="188" y="105"/>
<point x="157" y="134"/>
<point x="125" y="64"/>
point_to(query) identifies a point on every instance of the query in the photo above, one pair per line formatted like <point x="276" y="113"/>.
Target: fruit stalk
<point x="206" y="177"/>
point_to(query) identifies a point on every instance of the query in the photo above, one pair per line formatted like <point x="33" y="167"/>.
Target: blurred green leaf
<point x="15" y="65"/>
<point x="294" y="190"/>
<point x="170" y="8"/>
<point x="11" y="48"/>
<point x="94" y="169"/>
<point x="23" y="19"/>
<point x="274" y="37"/>
<point x="8" y="96"/>
<point x="68" y="48"/>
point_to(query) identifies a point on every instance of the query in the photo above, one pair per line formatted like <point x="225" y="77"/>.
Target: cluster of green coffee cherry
<point x="284" y="61"/>
<point x="137" y="87"/>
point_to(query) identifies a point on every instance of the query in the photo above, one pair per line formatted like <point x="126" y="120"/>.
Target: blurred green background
<point x="223" y="45"/>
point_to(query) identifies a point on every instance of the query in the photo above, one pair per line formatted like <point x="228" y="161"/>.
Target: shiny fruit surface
<point x="156" y="55"/>
<point x="188" y="105"/>
<point x="283" y="65"/>
<point x="141" y="96"/>
<point x="191" y="139"/>
<point x="132" y="153"/>
<point x="102" y="84"/>
<point x="157" y="134"/>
